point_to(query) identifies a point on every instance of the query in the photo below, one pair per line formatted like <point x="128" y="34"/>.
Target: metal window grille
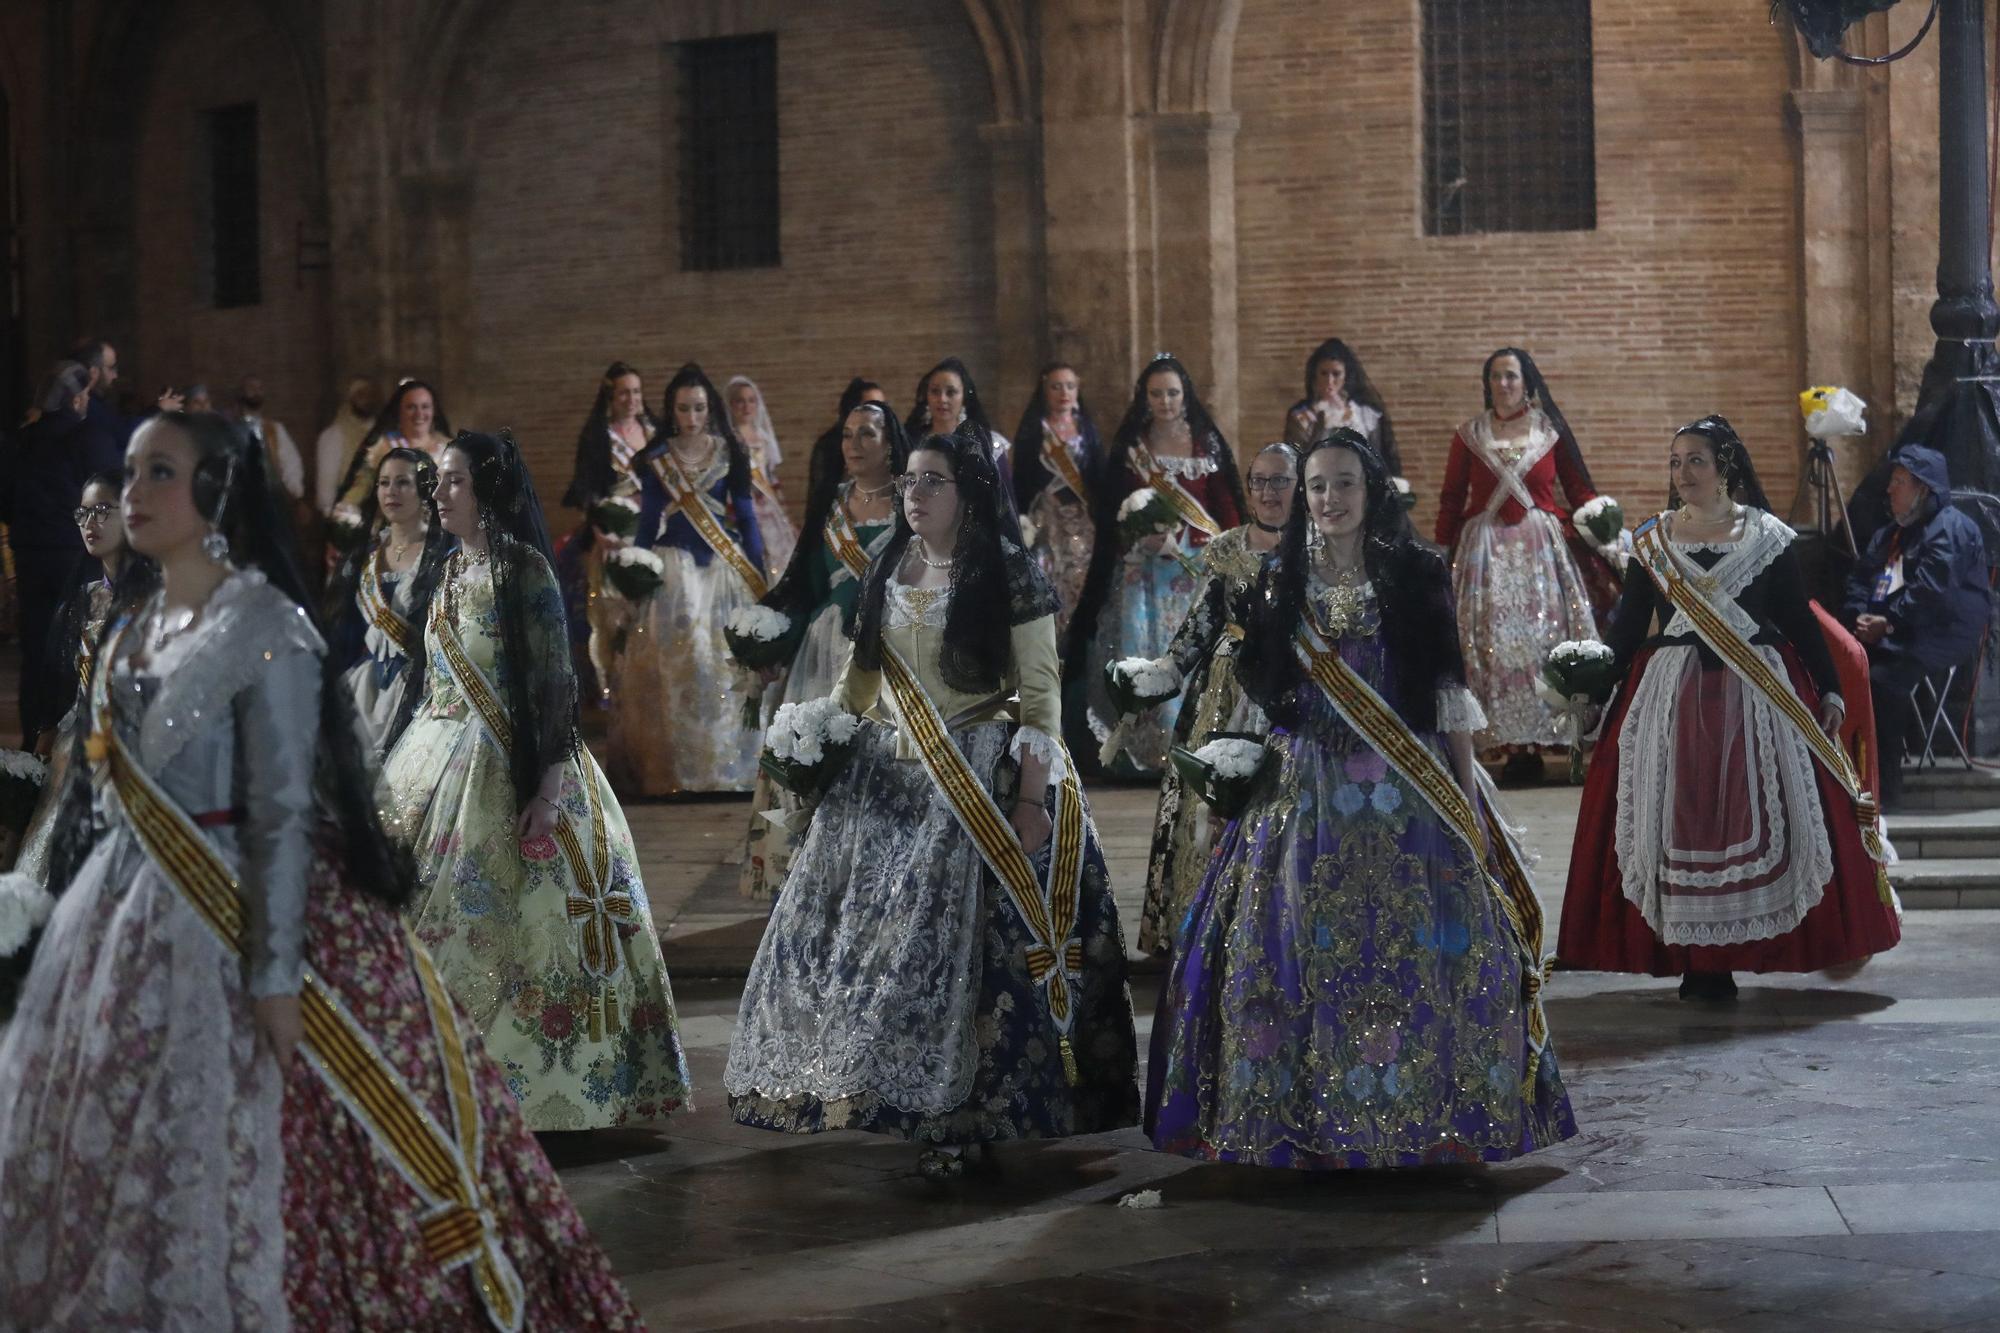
<point x="1509" y="137"/>
<point x="233" y="236"/>
<point x="729" y="152"/>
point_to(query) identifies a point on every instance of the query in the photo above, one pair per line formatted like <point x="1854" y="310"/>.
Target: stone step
<point x="1930" y="835"/>
<point x="1961" y="882"/>
<point x="1950" y="786"/>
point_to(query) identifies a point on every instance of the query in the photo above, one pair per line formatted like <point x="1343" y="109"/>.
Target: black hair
<point x="1412" y="585"/>
<point x="918" y="424"/>
<point x="593" y="477"/>
<point x="1359" y="389"/>
<point x="346" y="629"/>
<point x="389" y="421"/>
<point x="233" y="490"/>
<point x="1538" y="395"/>
<point x="1732" y="460"/>
<point x="718" y="425"/>
<point x="792" y="592"/>
<point x="1031" y="474"/>
<point x="988" y="571"/>
<point x="132" y="579"/>
<point x="826" y="449"/>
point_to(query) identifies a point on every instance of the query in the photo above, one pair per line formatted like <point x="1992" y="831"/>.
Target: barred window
<point x="729" y="152"/>
<point x="1509" y="138"/>
<point x="230" y="227"/>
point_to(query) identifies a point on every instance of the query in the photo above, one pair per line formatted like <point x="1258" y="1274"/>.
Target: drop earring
<point x="216" y="546"/>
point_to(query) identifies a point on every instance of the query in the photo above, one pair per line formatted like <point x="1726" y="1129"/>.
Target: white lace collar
<point x="1764" y="539"/>
<point x="916" y="606"/>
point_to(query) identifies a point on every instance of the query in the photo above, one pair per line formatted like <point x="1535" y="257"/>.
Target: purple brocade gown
<point x="1344" y="991"/>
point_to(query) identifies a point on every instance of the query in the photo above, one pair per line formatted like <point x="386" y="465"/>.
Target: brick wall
<point x="886" y="237"/>
<point x="221" y="54"/>
<point x="1682" y="301"/>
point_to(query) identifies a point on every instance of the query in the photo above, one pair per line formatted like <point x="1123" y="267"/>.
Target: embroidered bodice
<point x="1486" y="474"/>
<point x="661" y="526"/>
<point x="1215" y="620"/>
<point x="464" y="600"/>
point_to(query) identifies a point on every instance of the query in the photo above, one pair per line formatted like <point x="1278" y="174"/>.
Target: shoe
<point x="1708" y="986"/>
<point x="940" y="1164"/>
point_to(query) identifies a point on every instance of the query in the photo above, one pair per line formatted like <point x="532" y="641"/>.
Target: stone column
<point x="1019" y="311"/>
<point x="1194" y="230"/>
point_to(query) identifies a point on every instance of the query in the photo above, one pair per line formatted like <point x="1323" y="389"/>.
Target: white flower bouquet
<point x="1137" y="683"/>
<point x="346" y="526"/>
<point x="617" y="515"/>
<point x="1406" y="497"/>
<point x="1224" y="772"/>
<point x="22" y="779"/>
<point x="1146" y="513"/>
<point x="808" y="744"/>
<point x="1600" y="521"/>
<point x="24" y="909"/>
<point x="1576" y="677"/>
<point x="634" y="572"/>
<point x="759" y="636"/>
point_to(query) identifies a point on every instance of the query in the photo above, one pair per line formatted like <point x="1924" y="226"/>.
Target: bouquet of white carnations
<point x="634" y="572"/>
<point x="346" y="526"/>
<point x="616" y="516"/>
<point x="1225" y="772"/>
<point x="808" y="744"/>
<point x="1601" y="522"/>
<point x="1146" y="513"/>
<point x="24" y="908"/>
<point x="759" y="636"/>
<point x="1134" y="684"/>
<point x="1404" y="495"/>
<point x="22" y="778"/>
<point x="1576" y="676"/>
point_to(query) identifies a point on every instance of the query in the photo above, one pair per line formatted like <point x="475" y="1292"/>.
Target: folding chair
<point x="1927" y="702"/>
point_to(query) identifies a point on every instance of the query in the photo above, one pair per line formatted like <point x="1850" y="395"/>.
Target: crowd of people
<point x="327" y="898"/>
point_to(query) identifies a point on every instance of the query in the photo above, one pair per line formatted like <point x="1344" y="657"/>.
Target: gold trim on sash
<point x="1167" y="484"/>
<point x="1739" y="656"/>
<point x="1371" y="717"/>
<point x="845" y="542"/>
<point x="1057" y="455"/>
<point x="684" y="496"/>
<point x="1055" y="959"/>
<point x="458" y="1230"/>
<point x="593" y="906"/>
<point x="380" y="611"/>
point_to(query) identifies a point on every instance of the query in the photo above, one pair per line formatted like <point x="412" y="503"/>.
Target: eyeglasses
<point x="92" y="513"/>
<point x="922" y="485"/>
<point x="1271" y="483"/>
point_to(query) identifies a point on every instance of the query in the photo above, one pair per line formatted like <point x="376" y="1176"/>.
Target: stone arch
<point x="1195" y="55"/>
<point x="1002" y="31"/>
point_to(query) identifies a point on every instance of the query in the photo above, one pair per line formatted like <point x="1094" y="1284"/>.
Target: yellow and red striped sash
<point x="1055" y="959"/>
<point x="592" y="904"/>
<point x="1741" y="657"/>
<point x="381" y="613"/>
<point x="683" y="495"/>
<point x="1056" y="454"/>
<point x="1371" y="717"/>
<point x="1154" y="474"/>
<point x="441" y="1166"/>
<point x="845" y="542"/>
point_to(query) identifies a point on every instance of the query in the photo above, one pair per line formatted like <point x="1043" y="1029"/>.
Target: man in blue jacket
<point x="1917" y="598"/>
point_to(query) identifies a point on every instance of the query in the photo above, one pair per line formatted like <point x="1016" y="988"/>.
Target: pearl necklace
<point x="923" y="559"/>
<point x="874" y="492"/>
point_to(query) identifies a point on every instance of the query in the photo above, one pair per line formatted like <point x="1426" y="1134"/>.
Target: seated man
<point x="1917" y="598"/>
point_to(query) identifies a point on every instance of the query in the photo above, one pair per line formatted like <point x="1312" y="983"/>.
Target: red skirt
<point x="1603" y="931"/>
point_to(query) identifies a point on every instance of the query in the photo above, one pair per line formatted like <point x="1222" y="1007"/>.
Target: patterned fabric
<point x="1343" y="993"/>
<point x="891" y="991"/>
<point x="1148" y="599"/>
<point x="1204" y="652"/>
<point x="1064" y="537"/>
<point x="821" y="657"/>
<point x="580" y="1051"/>
<point x="780" y="537"/>
<point x="1519" y="594"/>
<point x="376" y="683"/>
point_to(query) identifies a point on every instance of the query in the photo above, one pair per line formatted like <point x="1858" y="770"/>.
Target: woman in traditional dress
<point x="378" y="597"/>
<point x="752" y="419"/>
<point x="617" y="431"/>
<point x="1518" y="568"/>
<point x="1139" y="591"/>
<point x="1718" y="833"/>
<point x="114" y="579"/>
<point x="413" y="418"/>
<point x="531" y="900"/>
<point x="947" y="400"/>
<point x="227" y="901"/>
<point x="1057" y="467"/>
<point x="1351" y="986"/>
<point x="917" y="979"/>
<point x="850" y="515"/>
<point x="1202" y="660"/>
<point x="1339" y="393"/>
<point x="677" y="723"/>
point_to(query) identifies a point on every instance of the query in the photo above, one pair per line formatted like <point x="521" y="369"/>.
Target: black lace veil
<point x="1031" y="474"/>
<point x="593" y="476"/>
<point x="792" y="593"/>
<point x="1360" y="389"/>
<point x="1732" y="457"/>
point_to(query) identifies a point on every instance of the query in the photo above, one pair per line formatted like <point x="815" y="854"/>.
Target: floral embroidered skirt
<point x="1346" y="992"/>
<point x="1185" y="830"/>
<point x="677" y="695"/>
<point x="581" y="1050"/>
<point x="774" y="525"/>
<point x="816" y="668"/>
<point x="155" y="1172"/>
<point x="1520" y="593"/>
<point x="891" y="991"/>
<point x="1064" y="539"/>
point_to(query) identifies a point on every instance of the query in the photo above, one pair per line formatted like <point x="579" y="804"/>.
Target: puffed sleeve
<point x="277" y="745"/>
<point x="1451" y="503"/>
<point x="1040" y="684"/>
<point x="1195" y="639"/>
